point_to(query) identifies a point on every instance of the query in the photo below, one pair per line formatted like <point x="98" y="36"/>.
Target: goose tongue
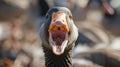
<point x="57" y="49"/>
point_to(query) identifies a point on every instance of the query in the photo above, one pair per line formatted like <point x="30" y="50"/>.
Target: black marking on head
<point x="57" y="9"/>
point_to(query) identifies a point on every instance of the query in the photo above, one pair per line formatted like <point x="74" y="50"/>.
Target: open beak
<point x="58" y="33"/>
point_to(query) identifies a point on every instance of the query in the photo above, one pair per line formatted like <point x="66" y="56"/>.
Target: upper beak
<point x="58" y="20"/>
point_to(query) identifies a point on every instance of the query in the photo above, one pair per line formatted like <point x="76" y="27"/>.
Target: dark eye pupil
<point x="70" y="16"/>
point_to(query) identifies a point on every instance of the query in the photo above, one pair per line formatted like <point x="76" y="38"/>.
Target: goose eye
<point x="70" y="16"/>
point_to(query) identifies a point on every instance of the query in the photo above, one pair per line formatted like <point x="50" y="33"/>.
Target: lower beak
<point x="58" y="50"/>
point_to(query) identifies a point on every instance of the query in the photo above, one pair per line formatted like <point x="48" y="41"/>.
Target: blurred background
<point x="98" y="21"/>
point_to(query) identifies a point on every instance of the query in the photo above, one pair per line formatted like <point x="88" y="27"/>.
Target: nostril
<point x="58" y="28"/>
<point x="63" y="20"/>
<point x="59" y="22"/>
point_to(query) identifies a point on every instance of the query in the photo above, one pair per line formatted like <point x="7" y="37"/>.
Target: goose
<point x="58" y="34"/>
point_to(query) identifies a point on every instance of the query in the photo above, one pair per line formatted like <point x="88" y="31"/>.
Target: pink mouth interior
<point x="58" y="36"/>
